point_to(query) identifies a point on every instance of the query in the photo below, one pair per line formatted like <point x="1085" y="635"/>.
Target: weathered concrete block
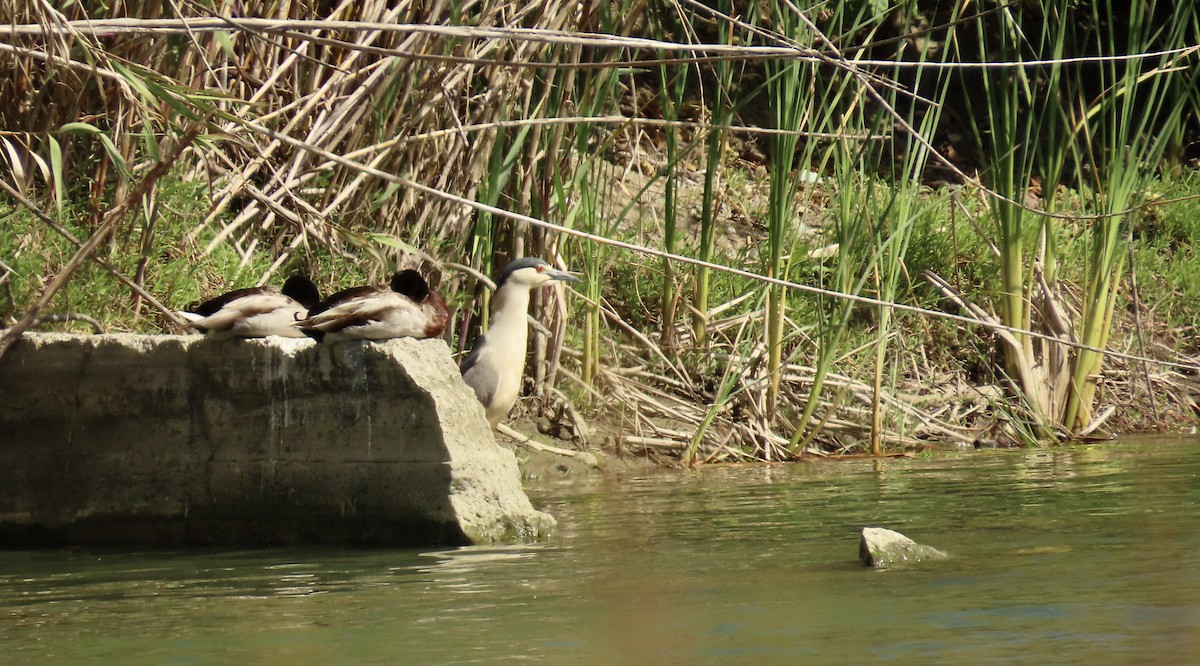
<point x="182" y="440"/>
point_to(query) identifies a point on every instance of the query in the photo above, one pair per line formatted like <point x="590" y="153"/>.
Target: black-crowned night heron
<point x="496" y="364"/>
<point x="406" y="307"/>
<point x="255" y="312"/>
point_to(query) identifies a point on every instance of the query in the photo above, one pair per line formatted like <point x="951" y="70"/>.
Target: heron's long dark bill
<point x="562" y="275"/>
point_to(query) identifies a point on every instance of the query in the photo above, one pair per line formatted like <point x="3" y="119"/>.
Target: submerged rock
<point x="881" y="547"/>
<point x="174" y="440"/>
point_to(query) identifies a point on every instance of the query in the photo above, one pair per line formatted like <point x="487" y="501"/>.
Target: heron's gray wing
<point x="480" y="376"/>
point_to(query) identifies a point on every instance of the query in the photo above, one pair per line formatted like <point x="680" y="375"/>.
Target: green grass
<point x="177" y="272"/>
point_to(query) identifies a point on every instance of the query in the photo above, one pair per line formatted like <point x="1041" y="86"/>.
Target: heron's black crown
<point x="516" y="265"/>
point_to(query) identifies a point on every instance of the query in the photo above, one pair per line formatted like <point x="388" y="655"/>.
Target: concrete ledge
<point x="174" y="440"/>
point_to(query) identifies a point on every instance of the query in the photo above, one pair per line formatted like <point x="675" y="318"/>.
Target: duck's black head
<point x="302" y="290"/>
<point x="411" y="284"/>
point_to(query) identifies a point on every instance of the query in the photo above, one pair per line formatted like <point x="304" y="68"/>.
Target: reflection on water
<point x="1071" y="555"/>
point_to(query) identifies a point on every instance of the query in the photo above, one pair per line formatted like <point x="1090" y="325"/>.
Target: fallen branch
<point x="528" y="442"/>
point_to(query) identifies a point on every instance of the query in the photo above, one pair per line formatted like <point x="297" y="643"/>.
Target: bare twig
<point x="97" y="327"/>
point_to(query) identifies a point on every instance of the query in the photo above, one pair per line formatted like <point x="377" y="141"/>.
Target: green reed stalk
<point x="1055" y="144"/>
<point x="733" y="375"/>
<point x="672" y="85"/>
<point x="1023" y="121"/>
<point x="897" y="221"/>
<point x="1010" y="172"/>
<point x="583" y="191"/>
<point x="789" y="96"/>
<point x="1132" y="126"/>
<point x="506" y="150"/>
<point x="721" y="114"/>
<point x="848" y="273"/>
<point x="589" y="214"/>
<point x="818" y="100"/>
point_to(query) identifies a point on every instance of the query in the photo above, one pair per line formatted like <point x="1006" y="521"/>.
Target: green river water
<point x="1079" y="555"/>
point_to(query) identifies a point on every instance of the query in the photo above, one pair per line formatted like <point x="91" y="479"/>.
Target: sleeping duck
<point x="255" y="312"/>
<point x="406" y="307"/>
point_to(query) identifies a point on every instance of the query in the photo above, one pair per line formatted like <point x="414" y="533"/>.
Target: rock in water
<point x="880" y="547"/>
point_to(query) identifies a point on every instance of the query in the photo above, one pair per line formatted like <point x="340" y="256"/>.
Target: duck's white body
<point x="255" y="312"/>
<point x="376" y="316"/>
<point x="252" y="317"/>
<point x="406" y="308"/>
